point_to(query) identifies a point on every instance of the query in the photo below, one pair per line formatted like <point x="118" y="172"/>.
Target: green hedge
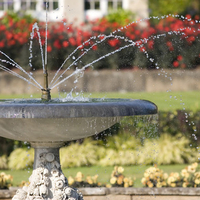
<point x="128" y="151"/>
<point x="181" y="121"/>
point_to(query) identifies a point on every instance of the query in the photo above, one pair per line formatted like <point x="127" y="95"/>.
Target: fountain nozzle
<point x="46" y="96"/>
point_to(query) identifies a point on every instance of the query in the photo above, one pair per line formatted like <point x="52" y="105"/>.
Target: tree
<point x="164" y="7"/>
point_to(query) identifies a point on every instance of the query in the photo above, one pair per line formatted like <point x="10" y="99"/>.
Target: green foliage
<point x="3" y="162"/>
<point x="123" y="149"/>
<point x="163" y="7"/>
<point x="164" y="150"/>
<point x="77" y="155"/>
<point x="21" y="159"/>
<point x="167" y="150"/>
<point x="181" y="121"/>
<point x="121" y="16"/>
<point x="16" y="17"/>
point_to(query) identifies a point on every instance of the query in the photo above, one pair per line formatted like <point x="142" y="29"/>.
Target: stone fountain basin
<point x="65" y="121"/>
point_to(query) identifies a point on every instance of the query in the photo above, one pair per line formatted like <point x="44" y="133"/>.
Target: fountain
<point x="47" y="124"/>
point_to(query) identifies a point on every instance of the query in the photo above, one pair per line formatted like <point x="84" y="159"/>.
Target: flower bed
<point x="121" y="187"/>
<point x="172" y="43"/>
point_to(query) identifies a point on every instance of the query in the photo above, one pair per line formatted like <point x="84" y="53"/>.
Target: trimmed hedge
<point x="128" y="151"/>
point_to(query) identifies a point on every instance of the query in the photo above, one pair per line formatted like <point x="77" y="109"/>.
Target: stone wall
<point x="128" y="193"/>
<point x="112" y="81"/>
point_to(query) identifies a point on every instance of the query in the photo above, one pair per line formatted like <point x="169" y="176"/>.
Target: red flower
<point x="65" y="44"/>
<point x="94" y="47"/>
<point x="142" y="49"/>
<point x="144" y="35"/>
<point x="95" y="28"/>
<point x="81" y="47"/>
<point x="57" y="44"/>
<point x="9" y="35"/>
<point x="188" y="16"/>
<point x="86" y="44"/>
<point x="101" y="37"/>
<point x="2" y="27"/>
<point x="191" y="39"/>
<point x="2" y="44"/>
<point x="72" y="41"/>
<point x="138" y="43"/>
<point x="79" y="40"/>
<point x="175" y="63"/>
<point x="137" y="32"/>
<point x="179" y="57"/>
<point x="49" y="48"/>
<point x="150" y="44"/>
<point x="169" y="44"/>
<point x="132" y="37"/>
<point x="102" y="29"/>
<point x="11" y="42"/>
<point x="113" y="42"/>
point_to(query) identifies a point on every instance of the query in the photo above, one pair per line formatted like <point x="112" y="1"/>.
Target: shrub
<point x="181" y="121"/>
<point x="26" y="158"/>
<point x="121" y="17"/>
<point x="77" y="155"/>
<point x="164" y="150"/>
<point x="3" y="162"/>
<point x="167" y="150"/>
<point x="160" y="7"/>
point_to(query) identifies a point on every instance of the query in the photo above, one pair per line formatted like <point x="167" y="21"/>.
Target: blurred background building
<point x="79" y="10"/>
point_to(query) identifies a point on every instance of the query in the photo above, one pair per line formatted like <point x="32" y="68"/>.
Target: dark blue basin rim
<point x="107" y="108"/>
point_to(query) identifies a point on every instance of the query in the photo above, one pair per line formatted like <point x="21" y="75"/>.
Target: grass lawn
<point x="103" y="172"/>
<point x="164" y="100"/>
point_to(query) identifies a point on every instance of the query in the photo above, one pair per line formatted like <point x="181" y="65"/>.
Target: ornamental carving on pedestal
<point x="47" y="182"/>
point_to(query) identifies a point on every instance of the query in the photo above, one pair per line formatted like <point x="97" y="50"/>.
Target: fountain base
<point x="47" y="181"/>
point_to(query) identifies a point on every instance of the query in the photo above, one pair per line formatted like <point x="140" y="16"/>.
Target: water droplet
<point x="151" y="59"/>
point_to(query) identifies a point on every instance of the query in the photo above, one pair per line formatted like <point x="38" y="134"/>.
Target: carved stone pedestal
<point x="47" y="181"/>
